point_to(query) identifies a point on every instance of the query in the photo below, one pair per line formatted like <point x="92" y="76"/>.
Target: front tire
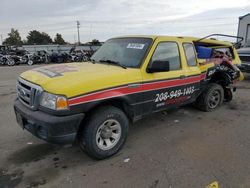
<point x="211" y="98"/>
<point x="105" y="132"/>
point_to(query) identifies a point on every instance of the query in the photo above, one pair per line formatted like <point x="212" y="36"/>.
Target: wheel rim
<point x="108" y="134"/>
<point x="214" y="99"/>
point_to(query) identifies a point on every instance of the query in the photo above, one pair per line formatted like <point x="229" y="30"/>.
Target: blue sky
<point x="104" y="19"/>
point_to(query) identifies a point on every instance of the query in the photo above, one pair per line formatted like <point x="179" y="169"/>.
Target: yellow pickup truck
<point x="129" y="77"/>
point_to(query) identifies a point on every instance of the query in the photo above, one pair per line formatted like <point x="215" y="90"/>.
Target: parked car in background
<point x="78" y="55"/>
<point x="41" y="56"/>
<point x="244" y="54"/>
<point x="15" y="55"/>
<point x="59" y="57"/>
<point x="24" y="59"/>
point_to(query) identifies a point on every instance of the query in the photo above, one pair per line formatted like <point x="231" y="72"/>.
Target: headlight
<point x="54" y="102"/>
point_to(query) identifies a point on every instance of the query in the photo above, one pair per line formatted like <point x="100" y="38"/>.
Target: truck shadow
<point x="70" y="156"/>
<point x="42" y="163"/>
<point x="65" y="157"/>
<point x="31" y="153"/>
<point x="162" y="119"/>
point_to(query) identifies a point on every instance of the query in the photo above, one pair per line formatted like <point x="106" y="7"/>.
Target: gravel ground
<point x="179" y="148"/>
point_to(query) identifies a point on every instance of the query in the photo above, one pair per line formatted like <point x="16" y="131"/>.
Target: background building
<point x="244" y="29"/>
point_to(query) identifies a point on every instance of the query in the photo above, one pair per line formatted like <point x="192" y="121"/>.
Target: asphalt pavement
<point x="181" y="148"/>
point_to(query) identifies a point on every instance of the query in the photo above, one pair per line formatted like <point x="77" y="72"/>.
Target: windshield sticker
<point x="54" y="71"/>
<point x="135" y="46"/>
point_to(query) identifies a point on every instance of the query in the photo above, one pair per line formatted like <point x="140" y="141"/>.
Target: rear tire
<point x="105" y="132"/>
<point x="211" y="98"/>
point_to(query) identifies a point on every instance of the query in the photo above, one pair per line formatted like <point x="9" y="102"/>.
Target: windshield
<point x="128" y="52"/>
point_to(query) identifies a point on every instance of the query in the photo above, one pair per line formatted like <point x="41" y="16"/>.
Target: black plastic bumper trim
<point x="51" y="128"/>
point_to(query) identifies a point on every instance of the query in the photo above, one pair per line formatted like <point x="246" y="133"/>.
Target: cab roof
<point x="182" y="39"/>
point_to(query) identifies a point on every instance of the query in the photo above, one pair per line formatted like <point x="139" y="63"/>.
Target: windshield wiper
<point x="112" y="62"/>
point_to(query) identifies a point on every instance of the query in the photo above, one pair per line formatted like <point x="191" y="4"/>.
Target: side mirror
<point x="158" y="66"/>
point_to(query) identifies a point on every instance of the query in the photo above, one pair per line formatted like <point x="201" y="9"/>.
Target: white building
<point x="244" y="29"/>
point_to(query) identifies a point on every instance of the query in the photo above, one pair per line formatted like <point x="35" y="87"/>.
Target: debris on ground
<point x="126" y="160"/>
<point x="213" y="185"/>
<point x="176" y="121"/>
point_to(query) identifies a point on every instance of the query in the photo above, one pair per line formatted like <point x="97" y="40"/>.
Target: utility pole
<point x="78" y="27"/>
<point x="75" y="39"/>
<point x="2" y="39"/>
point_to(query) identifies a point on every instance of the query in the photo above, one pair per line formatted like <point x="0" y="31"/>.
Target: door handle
<point x="183" y="76"/>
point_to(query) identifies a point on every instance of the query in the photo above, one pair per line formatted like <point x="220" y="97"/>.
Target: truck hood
<point x="79" y="78"/>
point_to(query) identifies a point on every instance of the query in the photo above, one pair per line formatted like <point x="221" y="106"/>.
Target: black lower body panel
<point x="51" y="128"/>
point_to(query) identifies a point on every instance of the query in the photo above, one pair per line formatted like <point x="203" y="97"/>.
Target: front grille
<point x="28" y="93"/>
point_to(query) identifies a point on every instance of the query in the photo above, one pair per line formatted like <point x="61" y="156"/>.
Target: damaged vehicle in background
<point x="41" y="56"/>
<point x="6" y="60"/>
<point x="244" y="54"/>
<point x="23" y="59"/>
<point x="14" y="56"/>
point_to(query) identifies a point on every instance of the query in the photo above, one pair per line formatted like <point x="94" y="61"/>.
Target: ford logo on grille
<point x="22" y="92"/>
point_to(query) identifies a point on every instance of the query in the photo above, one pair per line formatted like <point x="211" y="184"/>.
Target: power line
<point x="54" y="25"/>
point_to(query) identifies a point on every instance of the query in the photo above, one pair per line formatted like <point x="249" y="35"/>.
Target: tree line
<point x="35" y="37"/>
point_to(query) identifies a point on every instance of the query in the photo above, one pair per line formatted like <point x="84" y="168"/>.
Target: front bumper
<point x="51" y="128"/>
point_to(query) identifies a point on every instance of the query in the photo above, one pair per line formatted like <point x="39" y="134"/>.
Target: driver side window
<point x="168" y="51"/>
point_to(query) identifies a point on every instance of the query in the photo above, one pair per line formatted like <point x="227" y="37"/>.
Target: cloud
<point x="103" y="19"/>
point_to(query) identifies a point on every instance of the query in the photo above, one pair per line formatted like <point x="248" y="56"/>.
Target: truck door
<point x="192" y="68"/>
<point x="174" y="87"/>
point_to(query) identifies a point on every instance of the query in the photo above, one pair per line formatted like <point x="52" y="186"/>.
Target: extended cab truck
<point x="127" y="78"/>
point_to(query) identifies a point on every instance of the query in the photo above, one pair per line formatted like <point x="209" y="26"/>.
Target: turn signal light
<point x="61" y="103"/>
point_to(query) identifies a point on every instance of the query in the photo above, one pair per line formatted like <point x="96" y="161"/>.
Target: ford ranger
<point x="129" y="77"/>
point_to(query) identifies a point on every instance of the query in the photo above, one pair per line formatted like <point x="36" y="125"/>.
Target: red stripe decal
<point x="125" y="90"/>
